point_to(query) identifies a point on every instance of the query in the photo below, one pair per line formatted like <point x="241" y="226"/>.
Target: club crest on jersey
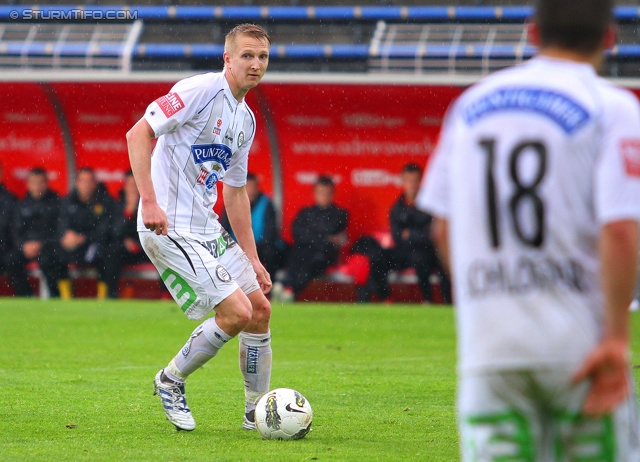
<point x="223" y="274"/>
<point x="210" y="178"/>
<point x="630" y="149"/>
<point x="170" y="104"/>
<point x="240" y="139"/>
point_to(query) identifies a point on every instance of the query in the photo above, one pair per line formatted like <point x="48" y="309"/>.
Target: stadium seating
<point x="312" y="117"/>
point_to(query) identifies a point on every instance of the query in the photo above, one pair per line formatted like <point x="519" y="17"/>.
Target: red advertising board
<point x="361" y="135"/>
<point x="99" y="116"/>
<point x="30" y="137"/>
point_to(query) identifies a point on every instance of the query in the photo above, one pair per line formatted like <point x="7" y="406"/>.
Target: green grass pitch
<point x="77" y="383"/>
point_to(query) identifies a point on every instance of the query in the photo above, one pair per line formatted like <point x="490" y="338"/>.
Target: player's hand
<point x="264" y="278"/>
<point x="154" y="218"/>
<point x="607" y="366"/>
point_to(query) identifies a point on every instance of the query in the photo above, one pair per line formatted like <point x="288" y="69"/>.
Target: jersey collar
<point x="541" y="60"/>
<point x="229" y="93"/>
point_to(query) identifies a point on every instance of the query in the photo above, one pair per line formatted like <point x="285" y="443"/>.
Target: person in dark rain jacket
<point x="7" y="205"/>
<point x="34" y="229"/>
<point x="125" y="247"/>
<point x="319" y="232"/>
<point x="83" y="227"/>
<point x="410" y="229"/>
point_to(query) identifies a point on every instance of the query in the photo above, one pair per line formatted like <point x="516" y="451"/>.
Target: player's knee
<point x="243" y="313"/>
<point x="261" y="311"/>
<point x="234" y="312"/>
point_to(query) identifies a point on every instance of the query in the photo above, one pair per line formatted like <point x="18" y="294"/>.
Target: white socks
<point x="255" y="364"/>
<point x="204" y="344"/>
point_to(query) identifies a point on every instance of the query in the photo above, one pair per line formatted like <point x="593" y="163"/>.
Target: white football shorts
<point x="534" y="415"/>
<point x="200" y="270"/>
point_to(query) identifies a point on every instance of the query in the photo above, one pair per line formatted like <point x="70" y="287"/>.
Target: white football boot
<point x="174" y="403"/>
<point x="249" y="422"/>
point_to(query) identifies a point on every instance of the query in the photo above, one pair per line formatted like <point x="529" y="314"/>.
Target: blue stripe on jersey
<point x="564" y="111"/>
<point x="208" y="102"/>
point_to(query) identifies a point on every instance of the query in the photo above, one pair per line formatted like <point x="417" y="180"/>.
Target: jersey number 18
<point x="524" y="191"/>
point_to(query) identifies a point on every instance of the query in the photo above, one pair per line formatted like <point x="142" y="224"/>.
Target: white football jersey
<point x="531" y="162"/>
<point x="204" y="136"/>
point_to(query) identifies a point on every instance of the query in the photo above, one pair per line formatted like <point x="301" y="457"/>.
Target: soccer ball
<point x="283" y="414"/>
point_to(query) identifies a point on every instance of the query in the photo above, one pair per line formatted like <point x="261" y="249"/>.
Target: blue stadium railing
<point x="293" y="13"/>
<point x="283" y="13"/>
<point x="336" y="51"/>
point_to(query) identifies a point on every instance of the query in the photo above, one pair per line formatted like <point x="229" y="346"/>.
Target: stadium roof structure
<point x="451" y="40"/>
<point x="317" y="12"/>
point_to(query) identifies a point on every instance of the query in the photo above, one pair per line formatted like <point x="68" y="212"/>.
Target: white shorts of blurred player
<point x="534" y="416"/>
<point x="200" y="270"/>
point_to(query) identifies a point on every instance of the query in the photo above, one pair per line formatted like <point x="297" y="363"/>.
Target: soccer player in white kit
<point x="205" y="130"/>
<point x="535" y="184"/>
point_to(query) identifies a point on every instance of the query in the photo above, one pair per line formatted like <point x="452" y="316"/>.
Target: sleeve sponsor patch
<point x="170" y="104"/>
<point x="630" y="149"/>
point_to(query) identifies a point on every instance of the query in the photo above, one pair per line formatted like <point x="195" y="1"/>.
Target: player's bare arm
<point x="440" y="236"/>
<point x="607" y="365"/>
<point x="139" y="142"/>
<point x="239" y="213"/>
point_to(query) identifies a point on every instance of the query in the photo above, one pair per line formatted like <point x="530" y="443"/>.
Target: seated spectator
<point x="413" y="248"/>
<point x="124" y="247"/>
<point x="270" y="247"/>
<point x="7" y="206"/>
<point x="84" y="223"/>
<point x="411" y="232"/>
<point x="319" y="232"/>
<point x="34" y="228"/>
<point x="377" y="264"/>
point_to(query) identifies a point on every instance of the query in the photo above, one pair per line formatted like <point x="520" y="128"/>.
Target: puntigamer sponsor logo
<point x="211" y="153"/>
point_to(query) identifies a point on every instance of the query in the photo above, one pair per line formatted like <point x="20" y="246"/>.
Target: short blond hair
<point x="252" y="30"/>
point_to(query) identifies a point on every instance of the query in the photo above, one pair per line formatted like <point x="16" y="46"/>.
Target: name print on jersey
<point x="524" y="275"/>
<point x="561" y="109"/>
<point x="170" y="104"/>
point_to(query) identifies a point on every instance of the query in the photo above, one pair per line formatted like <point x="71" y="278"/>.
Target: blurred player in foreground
<point x="205" y="130"/>
<point x="535" y="183"/>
